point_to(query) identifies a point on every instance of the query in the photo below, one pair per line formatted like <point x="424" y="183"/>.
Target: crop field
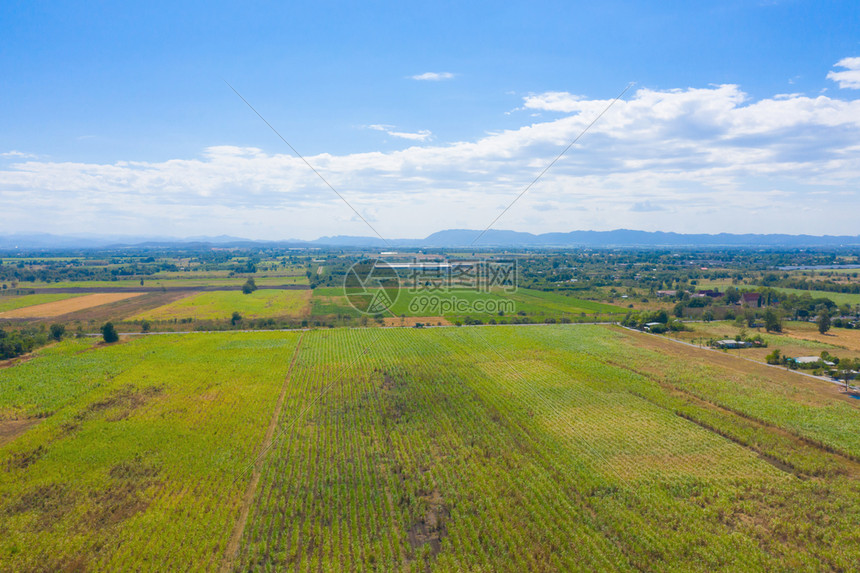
<point x="535" y="303"/>
<point x="67" y="305"/>
<point x="221" y="304"/>
<point x="837" y="297"/>
<point x="530" y="448"/>
<point x="8" y="303"/>
<point x="848" y="339"/>
<point x="132" y="450"/>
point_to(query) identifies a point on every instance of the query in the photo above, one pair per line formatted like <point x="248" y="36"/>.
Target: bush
<point x="57" y="331"/>
<point x="109" y="333"/>
<point x="774" y="357"/>
<point x="249" y="286"/>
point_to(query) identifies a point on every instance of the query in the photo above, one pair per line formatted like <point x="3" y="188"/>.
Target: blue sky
<point x="744" y="116"/>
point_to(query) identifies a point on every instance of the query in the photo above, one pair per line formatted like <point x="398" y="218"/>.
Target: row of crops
<point x="520" y="449"/>
<point x="131" y="458"/>
<point x="538" y="448"/>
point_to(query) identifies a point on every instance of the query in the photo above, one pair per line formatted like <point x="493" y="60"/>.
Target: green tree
<point x="249" y="286"/>
<point x="109" y="333"/>
<point x="236" y="318"/>
<point x="708" y="316"/>
<point x="57" y="331"/>
<point x="823" y="321"/>
<point x="145" y="326"/>
<point x="774" y="357"/>
<point x="772" y="321"/>
<point x="732" y="295"/>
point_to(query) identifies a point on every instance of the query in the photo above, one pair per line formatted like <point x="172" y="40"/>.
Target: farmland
<point x="796" y="339"/>
<point x="221" y="304"/>
<point x="67" y="305"/>
<point x="544" y="448"/>
<point x="8" y="303"/>
<point x="537" y="304"/>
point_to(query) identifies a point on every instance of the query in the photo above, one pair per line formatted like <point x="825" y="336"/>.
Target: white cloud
<point x="849" y="78"/>
<point x="18" y="155"/>
<point x="422" y="135"/>
<point x="552" y="101"/>
<point x="688" y="160"/>
<point x="433" y="76"/>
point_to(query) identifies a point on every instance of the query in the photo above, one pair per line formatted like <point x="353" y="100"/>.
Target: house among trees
<point x="708" y="293"/>
<point x="730" y="343"/>
<point x="811" y="360"/>
<point x="751" y="299"/>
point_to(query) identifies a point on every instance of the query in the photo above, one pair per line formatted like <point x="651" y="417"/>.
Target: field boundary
<point x="251" y="491"/>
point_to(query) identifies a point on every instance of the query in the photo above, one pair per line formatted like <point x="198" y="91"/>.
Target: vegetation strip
<point x="247" y="500"/>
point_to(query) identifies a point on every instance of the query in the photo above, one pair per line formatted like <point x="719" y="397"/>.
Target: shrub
<point x="109" y="333"/>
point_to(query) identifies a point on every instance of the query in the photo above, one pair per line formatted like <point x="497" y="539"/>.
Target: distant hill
<point x="618" y="238"/>
<point x="451" y="238"/>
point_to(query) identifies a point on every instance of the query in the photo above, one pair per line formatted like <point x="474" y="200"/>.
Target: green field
<point x="531" y="448"/>
<point x="837" y="297"/>
<point x="220" y="305"/>
<point x="13" y="302"/>
<point x="131" y="459"/>
<point x="539" y="304"/>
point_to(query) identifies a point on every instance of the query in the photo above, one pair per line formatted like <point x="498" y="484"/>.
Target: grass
<point x="220" y="305"/>
<point x="533" y="448"/>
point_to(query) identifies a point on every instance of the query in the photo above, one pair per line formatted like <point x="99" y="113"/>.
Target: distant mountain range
<point x="617" y="238"/>
<point x="452" y="238"/>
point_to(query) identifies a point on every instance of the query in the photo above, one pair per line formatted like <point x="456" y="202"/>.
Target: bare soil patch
<point x="23" y="460"/>
<point x="15" y="361"/>
<point x="121" y="403"/>
<point x="431" y="528"/>
<point x="61" y="307"/>
<point x="51" y="502"/>
<point x="11" y="429"/>
<point x="124" y="497"/>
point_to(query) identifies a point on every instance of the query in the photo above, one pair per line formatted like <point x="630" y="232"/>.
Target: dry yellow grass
<point x="847" y="338"/>
<point x="60" y="307"/>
